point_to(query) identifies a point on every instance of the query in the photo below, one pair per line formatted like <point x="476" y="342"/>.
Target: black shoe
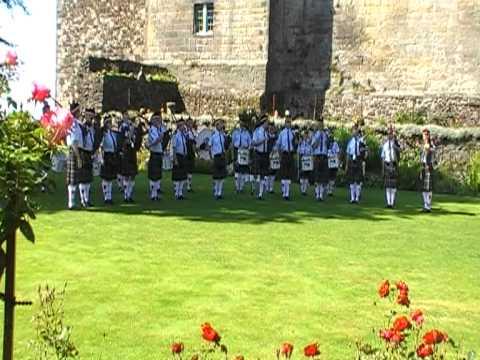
<point x="260" y="198"/>
<point x="352" y="201"/>
<point x="271" y="192"/>
<point x="90" y="204"/>
<point x="286" y="198"/>
<point x="331" y="194"/>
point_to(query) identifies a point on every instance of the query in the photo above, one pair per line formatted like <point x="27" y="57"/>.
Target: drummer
<point x="286" y="146"/>
<point x="305" y="154"/>
<point x="242" y="141"/>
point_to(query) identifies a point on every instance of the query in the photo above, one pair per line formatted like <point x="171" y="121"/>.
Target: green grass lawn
<point x="140" y="276"/>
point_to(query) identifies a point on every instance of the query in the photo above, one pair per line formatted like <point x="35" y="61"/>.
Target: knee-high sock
<point x="321" y="191"/>
<point x="88" y="187"/>
<point x="189" y="181"/>
<point x="317" y="191"/>
<point x="425" y="200"/>
<point x="105" y="189"/>
<point x="237" y="181"/>
<point x="181" y="185"/>
<point x="83" y="190"/>
<point x="215" y="188"/>
<point x="175" y="187"/>
<point x="241" y="179"/>
<point x="220" y="187"/>
<point x="287" y="188"/>
<point x="120" y="181"/>
<point x="125" y="188"/>
<point x="153" y="189"/>
<point x="429" y="199"/>
<point x="358" y="190"/>
<point x="158" y="185"/>
<point x="352" y="192"/>
<point x="387" y="195"/>
<point x="261" y="187"/>
<point x="71" y="195"/>
<point x="282" y="182"/>
<point x="109" y="190"/>
<point x="393" y="196"/>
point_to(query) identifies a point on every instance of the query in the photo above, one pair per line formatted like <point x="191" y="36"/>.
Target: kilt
<point x="320" y="169"/>
<point x="72" y="173"/>
<point x="85" y="172"/>
<point x="261" y="164"/>
<point x="155" y="166"/>
<point x="190" y="164"/>
<point x="128" y="163"/>
<point x="109" y="169"/>
<point x="390" y="175"/>
<point x="241" y="169"/>
<point x="179" y="171"/>
<point x="332" y="174"/>
<point x="427" y="179"/>
<point x="219" y="167"/>
<point x="355" y="172"/>
<point x="287" y="166"/>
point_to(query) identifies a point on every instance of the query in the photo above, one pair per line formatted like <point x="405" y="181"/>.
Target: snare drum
<point x="333" y="162"/>
<point x="307" y="163"/>
<point x="275" y="160"/>
<point x="243" y="157"/>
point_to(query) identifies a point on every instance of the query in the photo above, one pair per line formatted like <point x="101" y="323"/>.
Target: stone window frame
<point x="205" y="4"/>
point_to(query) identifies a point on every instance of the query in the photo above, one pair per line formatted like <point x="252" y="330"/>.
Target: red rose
<point x="401" y="323"/>
<point x="40" y="92"/>
<point x="11" y="58"/>
<point x="177" y="348"/>
<point x="311" y="350"/>
<point x="386" y="334"/>
<point x="209" y="333"/>
<point x="402" y="286"/>
<point x="384" y="289"/>
<point x="397" y="337"/>
<point x="286" y="350"/>
<point x="424" y="350"/>
<point x="417" y="316"/>
<point x="434" y="337"/>
<point x="403" y="299"/>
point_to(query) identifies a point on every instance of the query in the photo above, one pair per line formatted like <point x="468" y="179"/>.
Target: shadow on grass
<point x="244" y="208"/>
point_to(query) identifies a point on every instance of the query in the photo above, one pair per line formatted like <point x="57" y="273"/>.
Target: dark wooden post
<point x="8" y="324"/>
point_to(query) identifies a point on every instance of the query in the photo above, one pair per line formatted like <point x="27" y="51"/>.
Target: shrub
<point x="473" y="173"/>
<point x="408" y="117"/>
<point x="53" y="337"/>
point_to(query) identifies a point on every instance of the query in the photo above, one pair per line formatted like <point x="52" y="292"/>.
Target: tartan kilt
<point x="219" y="167"/>
<point x="179" y="171"/>
<point x="155" y="166"/>
<point x="427" y="179"/>
<point x="128" y="163"/>
<point x="320" y="169"/>
<point x="72" y="171"/>
<point x="85" y="172"/>
<point x="109" y="169"/>
<point x="390" y="175"/>
<point x="190" y="164"/>
<point x="332" y="174"/>
<point x="261" y="164"/>
<point x="287" y="166"/>
<point x="355" y="173"/>
<point x="241" y="169"/>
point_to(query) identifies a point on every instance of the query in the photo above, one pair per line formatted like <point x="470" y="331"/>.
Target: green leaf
<point x="27" y="231"/>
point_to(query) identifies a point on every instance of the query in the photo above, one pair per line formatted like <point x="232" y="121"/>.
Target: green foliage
<point x="411" y="117"/>
<point x="473" y="173"/>
<point x="374" y="160"/>
<point x="23" y="157"/>
<point x="53" y="337"/>
<point x="247" y="116"/>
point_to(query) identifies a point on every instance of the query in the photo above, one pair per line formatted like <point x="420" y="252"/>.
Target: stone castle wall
<point x="390" y="55"/>
<point x="109" y="28"/>
<point x="377" y="57"/>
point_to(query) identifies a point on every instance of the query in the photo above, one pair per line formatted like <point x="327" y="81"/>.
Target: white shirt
<point x="74" y="135"/>
<point x="388" y="153"/>
<point x="285" y="140"/>
<point x="217" y="143"/>
<point x="155" y="136"/>
<point x="88" y="138"/>
<point x="353" y="148"/>
<point x="109" y="142"/>
<point x="260" y="140"/>
<point x="241" y="139"/>
<point x="179" y="143"/>
<point x="320" y="143"/>
<point x="334" y="150"/>
<point x="305" y="148"/>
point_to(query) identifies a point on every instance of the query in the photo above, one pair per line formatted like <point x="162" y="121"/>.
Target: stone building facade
<point x="354" y="57"/>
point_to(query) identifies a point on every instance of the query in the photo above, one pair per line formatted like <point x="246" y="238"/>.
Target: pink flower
<point x="40" y="92"/>
<point x="11" y="59"/>
<point x="417" y="316"/>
